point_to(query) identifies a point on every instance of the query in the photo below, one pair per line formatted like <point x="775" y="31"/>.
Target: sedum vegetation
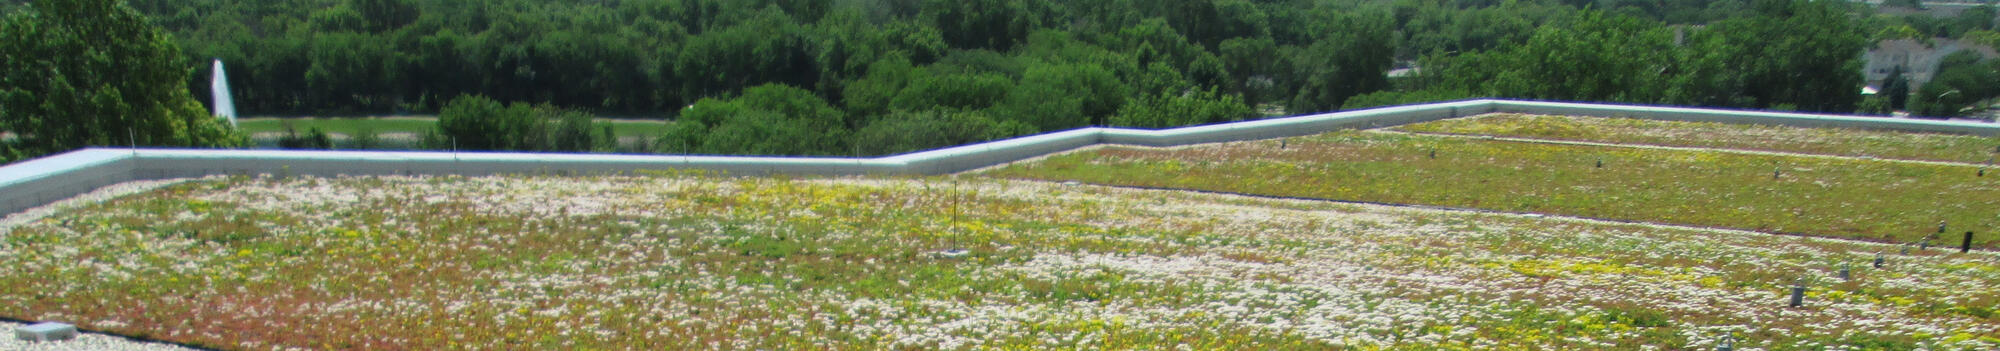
<point x="1820" y="141"/>
<point x="688" y="261"/>
<point x="1837" y="197"/>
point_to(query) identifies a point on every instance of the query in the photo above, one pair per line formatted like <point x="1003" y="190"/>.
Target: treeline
<point x="1783" y="54"/>
<point x="892" y="71"/>
<point x="1962" y="83"/>
<point x="76" y="73"/>
<point x="1974" y="24"/>
<point x="841" y="77"/>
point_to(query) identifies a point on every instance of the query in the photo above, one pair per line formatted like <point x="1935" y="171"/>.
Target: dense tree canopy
<point x="807" y="77"/>
<point x="1961" y="82"/>
<point x="473" y="122"/>
<point x="76" y="73"/>
<point x="1763" y="60"/>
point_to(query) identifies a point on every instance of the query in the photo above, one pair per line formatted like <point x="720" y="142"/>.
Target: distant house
<point x="1919" y="58"/>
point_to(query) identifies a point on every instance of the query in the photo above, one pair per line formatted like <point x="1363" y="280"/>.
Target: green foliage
<point x="475" y="122"/>
<point x="364" y="138"/>
<point x="1058" y="97"/>
<point x="1393" y="98"/>
<point x="1983" y="37"/>
<point x="1165" y="111"/>
<point x="962" y="91"/>
<point x="1757" y="62"/>
<point x="1961" y="83"/>
<point x="1895" y="89"/>
<point x="1252" y="68"/>
<point x="766" y="120"/>
<point x="347" y="68"/>
<point x="1972" y="19"/>
<point x="77" y="73"/>
<point x="1431" y="29"/>
<point x="1023" y="65"/>
<point x="313" y="139"/>
<point x="1348" y="62"/>
<point x="1874" y="105"/>
<point x="984" y="24"/>
<point x="914" y="131"/>
<point x="575" y="132"/>
<point x="1594" y="57"/>
<point x="769" y="48"/>
<point x="1752" y="61"/>
<point x="383" y="15"/>
<point x="871" y="95"/>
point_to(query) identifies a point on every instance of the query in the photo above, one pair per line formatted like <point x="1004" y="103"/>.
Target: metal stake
<point x="1966" y="247"/>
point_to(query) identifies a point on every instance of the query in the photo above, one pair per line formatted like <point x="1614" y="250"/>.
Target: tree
<point x="1176" y="110"/>
<point x="964" y="91"/>
<point x="769" y="119"/>
<point x="1056" y="97"/>
<point x="1962" y="81"/>
<point x="313" y="139"/>
<point x="351" y="72"/>
<point x="1349" y="61"/>
<point x="983" y="24"/>
<point x="575" y="131"/>
<point x="473" y="122"/>
<point x="1976" y="18"/>
<point x="771" y="48"/>
<point x="1896" y="88"/>
<point x="1252" y="68"/>
<point x="870" y="95"/>
<point x="905" y="131"/>
<point x="76" y="73"/>
<point x="1762" y="61"/>
<point x="384" y="15"/>
<point x="1599" y="57"/>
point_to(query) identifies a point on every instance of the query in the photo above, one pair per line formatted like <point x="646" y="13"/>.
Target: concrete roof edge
<point x="44" y="167"/>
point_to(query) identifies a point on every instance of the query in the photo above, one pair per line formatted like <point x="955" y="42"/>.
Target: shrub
<point x="313" y="139"/>
<point x="475" y="122"/>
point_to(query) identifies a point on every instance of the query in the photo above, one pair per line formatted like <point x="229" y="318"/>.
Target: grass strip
<point x="1822" y="141"/>
<point x="624" y="128"/>
<point x="1860" y="199"/>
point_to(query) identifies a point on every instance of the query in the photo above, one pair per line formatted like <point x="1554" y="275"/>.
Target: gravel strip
<point x="82" y="342"/>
